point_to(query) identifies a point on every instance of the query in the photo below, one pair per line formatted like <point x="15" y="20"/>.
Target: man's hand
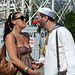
<point x="36" y="65"/>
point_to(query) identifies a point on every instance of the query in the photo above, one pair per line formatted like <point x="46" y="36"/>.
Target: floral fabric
<point x="25" y="58"/>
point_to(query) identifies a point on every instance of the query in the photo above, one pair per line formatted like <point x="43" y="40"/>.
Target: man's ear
<point x="13" y="21"/>
<point x="46" y="18"/>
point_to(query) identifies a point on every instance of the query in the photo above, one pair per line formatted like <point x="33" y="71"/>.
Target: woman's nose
<point x="25" y="20"/>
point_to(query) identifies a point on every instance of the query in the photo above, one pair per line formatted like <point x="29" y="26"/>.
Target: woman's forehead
<point x="19" y="14"/>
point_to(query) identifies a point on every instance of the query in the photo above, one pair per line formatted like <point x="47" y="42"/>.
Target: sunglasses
<point x="21" y="17"/>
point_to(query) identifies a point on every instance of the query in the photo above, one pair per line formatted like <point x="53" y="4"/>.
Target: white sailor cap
<point x="46" y="11"/>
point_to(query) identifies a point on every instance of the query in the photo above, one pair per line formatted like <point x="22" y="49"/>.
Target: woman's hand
<point x="33" y="72"/>
<point x="36" y="65"/>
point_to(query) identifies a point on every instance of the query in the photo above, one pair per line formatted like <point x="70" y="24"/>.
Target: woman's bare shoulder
<point x="10" y="36"/>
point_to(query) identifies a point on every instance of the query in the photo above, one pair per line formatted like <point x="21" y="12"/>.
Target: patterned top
<point x="25" y="58"/>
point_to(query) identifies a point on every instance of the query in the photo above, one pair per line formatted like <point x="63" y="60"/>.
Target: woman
<point x="14" y="41"/>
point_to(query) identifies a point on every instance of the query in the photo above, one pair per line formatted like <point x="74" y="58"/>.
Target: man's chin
<point x="40" y="26"/>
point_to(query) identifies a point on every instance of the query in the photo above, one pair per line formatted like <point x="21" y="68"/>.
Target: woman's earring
<point x="15" y="27"/>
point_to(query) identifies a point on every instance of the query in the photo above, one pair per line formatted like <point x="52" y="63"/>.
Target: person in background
<point x="15" y="40"/>
<point x="44" y="18"/>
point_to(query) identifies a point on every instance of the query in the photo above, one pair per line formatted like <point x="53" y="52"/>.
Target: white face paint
<point x="38" y="24"/>
<point x="37" y="17"/>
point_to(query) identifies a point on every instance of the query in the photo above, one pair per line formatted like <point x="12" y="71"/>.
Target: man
<point x="66" y="46"/>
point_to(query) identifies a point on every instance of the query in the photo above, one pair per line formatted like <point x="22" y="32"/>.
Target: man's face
<point x="40" y="20"/>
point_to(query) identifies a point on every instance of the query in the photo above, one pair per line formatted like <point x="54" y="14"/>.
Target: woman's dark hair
<point x="43" y="15"/>
<point x="9" y="25"/>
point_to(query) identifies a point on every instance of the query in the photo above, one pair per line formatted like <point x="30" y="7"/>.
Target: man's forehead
<point x="38" y="13"/>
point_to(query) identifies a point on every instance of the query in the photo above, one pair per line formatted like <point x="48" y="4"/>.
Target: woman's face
<point x="20" y="20"/>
